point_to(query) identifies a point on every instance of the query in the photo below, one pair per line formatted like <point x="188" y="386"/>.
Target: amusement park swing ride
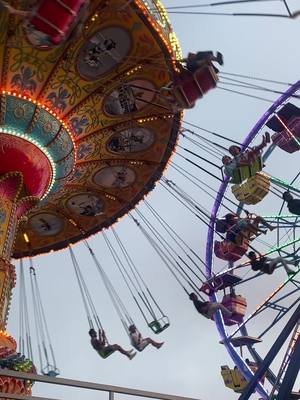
<point x="92" y="100"/>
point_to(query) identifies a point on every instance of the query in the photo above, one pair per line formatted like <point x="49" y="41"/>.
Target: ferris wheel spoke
<point x="270" y="376"/>
<point x="282" y="312"/>
<point x="272" y="250"/>
<point x="262" y="305"/>
<point x="281" y="183"/>
<point x="296" y="283"/>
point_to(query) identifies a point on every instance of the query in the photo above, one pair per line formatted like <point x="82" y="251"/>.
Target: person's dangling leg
<point x="154" y="343"/>
<point x="225" y="310"/>
<point x="214" y="307"/>
<point x="281" y="260"/>
<point x="129" y="353"/>
<point x="261" y="220"/>
<point x="286" y="264"/>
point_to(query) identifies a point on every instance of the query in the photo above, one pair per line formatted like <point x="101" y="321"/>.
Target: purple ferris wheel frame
<point x="239" y="362"/>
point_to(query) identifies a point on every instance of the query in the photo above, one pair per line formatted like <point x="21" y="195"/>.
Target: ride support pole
<point x="250" y="388"/>
<point x="291" y="373"/>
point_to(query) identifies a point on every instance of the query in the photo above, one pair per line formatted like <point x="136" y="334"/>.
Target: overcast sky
<point x="189" y="362"/>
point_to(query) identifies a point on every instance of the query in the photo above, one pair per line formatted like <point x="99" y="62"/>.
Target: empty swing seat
<point x="159" y="325"/>
<point x="56" y="18"/>
<point x="289" y="139"/>
<point x="245" y="172"/>
<point x="188" y="87"/>
<point x="238" y="305"/>
<point x="229" y="251"/>
<point x="253" y="190"/>
<point x="244" y="341"/>
<point x="219" y="283"/>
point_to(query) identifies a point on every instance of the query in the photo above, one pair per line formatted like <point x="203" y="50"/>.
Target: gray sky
<point x="189" y="362"/>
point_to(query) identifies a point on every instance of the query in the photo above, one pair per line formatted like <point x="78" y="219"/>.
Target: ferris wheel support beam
<point x="291" y="373"/>
<point x="270" y="376"/>
<point x="279" y="342"/>
<point x="279" y="316"/>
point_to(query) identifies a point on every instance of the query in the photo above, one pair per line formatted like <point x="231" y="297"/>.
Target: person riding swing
<point x="140" y="343"/>
<point x="104" y="349"/>
<point x="208" y="308"/>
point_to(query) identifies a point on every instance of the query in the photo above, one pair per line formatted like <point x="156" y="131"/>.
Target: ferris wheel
<point x="280" y="300"/>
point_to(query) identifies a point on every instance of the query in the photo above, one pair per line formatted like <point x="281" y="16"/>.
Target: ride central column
<point x="14" y="203"/>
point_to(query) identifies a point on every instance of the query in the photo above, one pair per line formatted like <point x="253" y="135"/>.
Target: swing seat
<point x="245" y="341"/>
<point x="229" y="251"/>
<point x="219" y="283"/>
<point x="50" y="370"/>
<point x="188" y="87"/>
<point x="105" y="353"/>
<point x="286" y="141"/>
<point x="56" y="18"/>
<point x="238" y="305"/>
<point x="159" y="325"/>
<point x="245" y="172"/>
<point x="254" y="190"/>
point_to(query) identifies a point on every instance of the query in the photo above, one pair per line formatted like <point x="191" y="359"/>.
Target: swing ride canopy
<point x="83" y="122"/>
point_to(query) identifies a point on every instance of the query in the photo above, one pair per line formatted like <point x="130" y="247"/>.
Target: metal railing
<point x="111" y="390"/>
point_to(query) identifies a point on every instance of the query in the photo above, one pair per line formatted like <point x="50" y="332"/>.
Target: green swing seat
<point x="105" y="352"/>
<point x="159" y="325"/>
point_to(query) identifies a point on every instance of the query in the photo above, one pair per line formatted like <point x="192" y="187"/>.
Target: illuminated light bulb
<point x="26" y="238"/>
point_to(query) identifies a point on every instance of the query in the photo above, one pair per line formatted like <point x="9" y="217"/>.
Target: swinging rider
<point x="103" y="348"/>
<point x="140" y="343"/>
<point x="208" y="308"/>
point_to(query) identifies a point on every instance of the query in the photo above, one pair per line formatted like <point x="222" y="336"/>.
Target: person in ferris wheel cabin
<point x="243" y="158"/>
<point x="237" y="228"/>
<point x="194" y="61"/>
<point x="293" y="205"/>
<point x="101" y="345"/>
<point x="267" y="265"/>
<point x="208" y="308"/>
<point x="230" y="165"/>
<point x="140" y="343"/>
<point x="249" y="156"/>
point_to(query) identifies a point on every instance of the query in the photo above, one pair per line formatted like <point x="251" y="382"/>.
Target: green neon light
<point x="284" y="184"/>
<point x="274" y="249"/>
<point x="280" y="216"/>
